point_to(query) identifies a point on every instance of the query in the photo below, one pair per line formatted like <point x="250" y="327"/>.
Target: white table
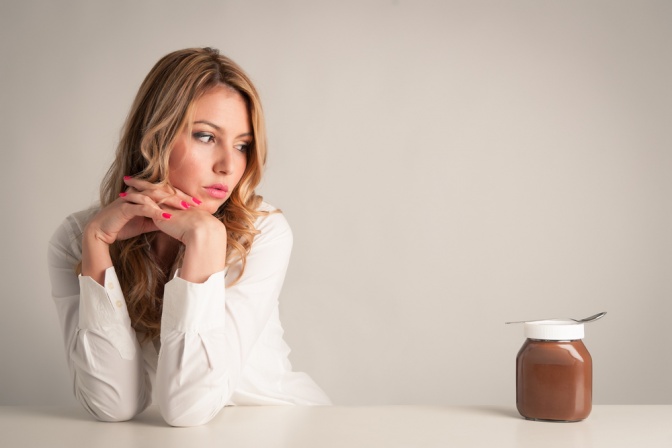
<point x="342" y="426"/>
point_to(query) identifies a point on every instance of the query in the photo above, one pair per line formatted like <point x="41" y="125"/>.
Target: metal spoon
<point x="585" y="320"/>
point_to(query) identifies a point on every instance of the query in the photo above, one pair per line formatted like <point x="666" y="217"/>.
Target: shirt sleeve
<point x="209" y="329"/>
<point x="102" y="350"/>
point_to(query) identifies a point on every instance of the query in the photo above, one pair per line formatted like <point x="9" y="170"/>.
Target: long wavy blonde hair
<point x="160" y="112"/>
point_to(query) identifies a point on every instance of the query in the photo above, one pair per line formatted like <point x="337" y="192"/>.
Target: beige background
<point x="446" y="166"/>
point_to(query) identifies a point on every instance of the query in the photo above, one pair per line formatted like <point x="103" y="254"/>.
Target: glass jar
<point x="554" y="372"/>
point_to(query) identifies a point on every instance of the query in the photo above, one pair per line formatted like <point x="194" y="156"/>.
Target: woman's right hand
<point x="136" y="211"/>
<point x="131" y="215"/>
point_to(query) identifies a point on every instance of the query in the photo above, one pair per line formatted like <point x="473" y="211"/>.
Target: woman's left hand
<point x="203" y="235"/>
<point x="187" y="220"/>
<point x="204" y="238"/>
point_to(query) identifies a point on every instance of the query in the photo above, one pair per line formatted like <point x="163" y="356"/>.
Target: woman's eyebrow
<point x="212" y="125"/>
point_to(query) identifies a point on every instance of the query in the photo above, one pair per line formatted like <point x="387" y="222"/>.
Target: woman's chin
<point x="212" y="207"/>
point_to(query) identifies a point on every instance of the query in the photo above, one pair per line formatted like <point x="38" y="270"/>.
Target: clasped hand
<point x="146" y="207"/>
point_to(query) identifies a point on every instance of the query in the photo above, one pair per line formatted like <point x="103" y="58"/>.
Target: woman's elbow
<point x="109" y="410"/>
<point x="183" y="409"/>
<point x="195" y="417"/>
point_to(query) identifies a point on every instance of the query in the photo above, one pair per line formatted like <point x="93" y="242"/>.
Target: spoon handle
<point x="581" y="321"/>
<point x="528" y="321"/>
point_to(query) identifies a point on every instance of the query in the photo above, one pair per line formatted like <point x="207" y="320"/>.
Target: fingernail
<point x="196" y="201"/>
<point x="122" y="195"/>
<point x="184" y="204"/>
<point x="166" y="215"/>
<point x="127" y="177"/>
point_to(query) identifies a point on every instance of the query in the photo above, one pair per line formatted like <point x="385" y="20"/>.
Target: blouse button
<point x="110" y="285"/>
<point x="118" y="303"/>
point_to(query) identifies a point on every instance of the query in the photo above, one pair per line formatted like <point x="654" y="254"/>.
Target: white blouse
<point x="220" y="344"/>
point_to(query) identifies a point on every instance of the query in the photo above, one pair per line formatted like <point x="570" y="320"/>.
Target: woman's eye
<point x="204" y="137"/>
<point x="243" y="147"/>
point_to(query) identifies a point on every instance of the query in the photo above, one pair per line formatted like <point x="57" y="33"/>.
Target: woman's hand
<point x="203" y="235"/>
<point x="161" y="194"/>
<point x="184" y="227"/>
<point x="132" y="214"/>
<point x="147" y="207"/>
<point x="204" y="238"/>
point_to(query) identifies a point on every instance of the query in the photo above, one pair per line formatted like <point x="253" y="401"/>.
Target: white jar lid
<point x="554" y="330"/>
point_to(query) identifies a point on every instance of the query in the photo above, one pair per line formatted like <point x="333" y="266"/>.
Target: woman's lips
<point x="217" y="191"/>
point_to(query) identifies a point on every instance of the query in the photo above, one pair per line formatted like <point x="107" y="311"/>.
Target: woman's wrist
<point x="95" y="255"/>
<point x="204" y="253"/>
<point x="205" y="231"/>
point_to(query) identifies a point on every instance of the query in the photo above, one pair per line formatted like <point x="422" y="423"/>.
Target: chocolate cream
<point x="554" y="380"/>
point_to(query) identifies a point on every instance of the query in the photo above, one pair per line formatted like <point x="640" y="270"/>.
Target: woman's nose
<point x="225" y="161"/>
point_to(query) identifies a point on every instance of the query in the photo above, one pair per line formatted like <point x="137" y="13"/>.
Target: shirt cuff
<point x="102" y="309"/>
<point x="194" y="307"/>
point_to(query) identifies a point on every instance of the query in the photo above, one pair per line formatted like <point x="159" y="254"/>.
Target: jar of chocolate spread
<point x="554" y="372"/>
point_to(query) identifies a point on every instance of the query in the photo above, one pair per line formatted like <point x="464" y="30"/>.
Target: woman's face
<point x="208" y="161"/>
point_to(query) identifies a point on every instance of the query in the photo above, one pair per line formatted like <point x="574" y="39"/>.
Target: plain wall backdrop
<point x="446" y="166"/>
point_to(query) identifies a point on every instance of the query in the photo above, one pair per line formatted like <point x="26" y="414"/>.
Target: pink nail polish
<point x="122" y="195"/>
<point x="166" y="215"/>
<point x="184" y="204"/>
<point x="127" y="177"/>
<point x="196" y="201"/>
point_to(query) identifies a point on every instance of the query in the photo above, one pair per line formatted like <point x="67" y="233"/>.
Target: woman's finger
<point x="138" y="204"/>
<point x="158" y="195"/>
<point x="130" y="215"/>
<point x="131" y="211"/>
<point x="139" y="184"/>
<point x="163" y="194"/>
<point x="135" y="197"/>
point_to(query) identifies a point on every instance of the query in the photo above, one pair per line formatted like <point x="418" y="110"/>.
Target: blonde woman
<point x="169" y="288"/>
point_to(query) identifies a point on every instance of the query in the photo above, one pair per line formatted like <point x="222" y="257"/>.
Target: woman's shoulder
<point x="272" y="222"/>
<point x="68" y="236"/>
<point x="266" y="207"/>
<point x="75" y="222"/>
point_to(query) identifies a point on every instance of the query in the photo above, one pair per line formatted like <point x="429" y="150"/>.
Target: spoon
<point x="585" y="320"/>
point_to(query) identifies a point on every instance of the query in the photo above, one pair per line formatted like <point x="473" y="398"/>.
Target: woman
<point x="181" y="265"/>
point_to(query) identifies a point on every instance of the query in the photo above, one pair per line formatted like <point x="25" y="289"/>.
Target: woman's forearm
<point x="95" y="256"/>
<point x="205" y="252"/>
